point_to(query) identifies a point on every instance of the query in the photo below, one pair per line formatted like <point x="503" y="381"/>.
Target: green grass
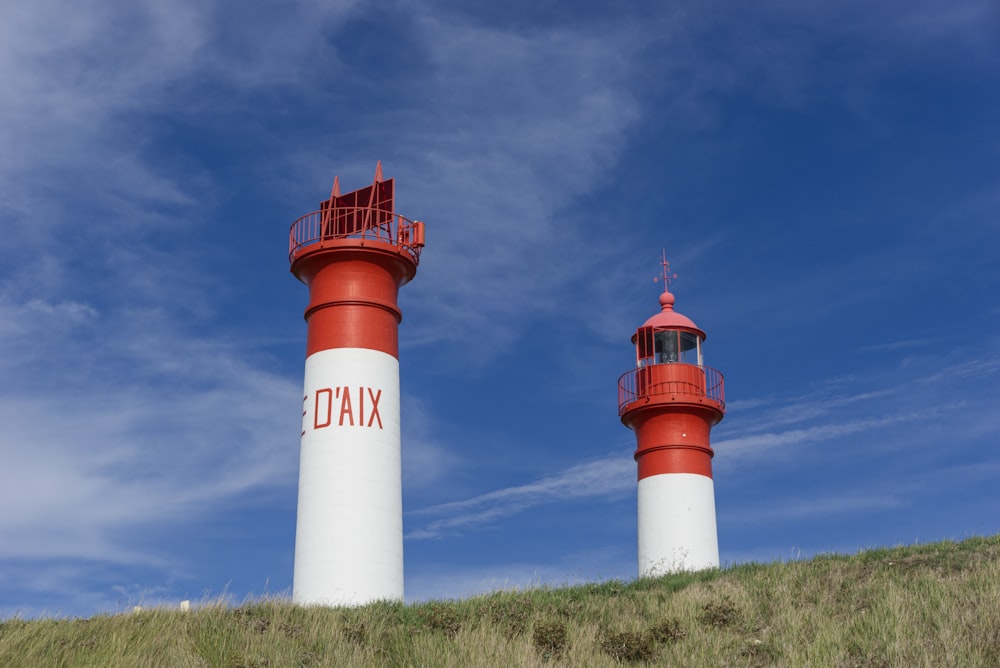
<point x="928" y="605"/>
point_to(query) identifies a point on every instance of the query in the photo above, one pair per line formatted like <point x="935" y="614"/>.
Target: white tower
<point x="671" y="400"/>
<point x="354" y="254"/>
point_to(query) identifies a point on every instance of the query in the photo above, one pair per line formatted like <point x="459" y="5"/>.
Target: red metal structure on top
<point x="364" y="217"/>
<point x="354" y="253"/>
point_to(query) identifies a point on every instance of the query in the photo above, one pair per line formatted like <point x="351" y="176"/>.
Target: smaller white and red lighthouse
<point x="671" y="400"/>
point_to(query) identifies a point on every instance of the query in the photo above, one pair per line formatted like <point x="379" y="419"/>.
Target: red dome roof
<point x="668" y="318"/>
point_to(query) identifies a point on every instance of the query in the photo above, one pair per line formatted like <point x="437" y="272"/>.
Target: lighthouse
<point x="354" y="254"/>
<point x="671" y="400"/>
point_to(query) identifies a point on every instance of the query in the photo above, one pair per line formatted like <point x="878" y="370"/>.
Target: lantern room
<point x="668" y="337"/>
<point x="670" y="364"/>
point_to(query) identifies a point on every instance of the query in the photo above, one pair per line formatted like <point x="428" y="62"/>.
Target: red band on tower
<point x="672" y="442"/>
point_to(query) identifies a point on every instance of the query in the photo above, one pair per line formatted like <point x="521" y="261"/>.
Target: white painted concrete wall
<point x="349" y="532"/>
<point x="677" y="530"/>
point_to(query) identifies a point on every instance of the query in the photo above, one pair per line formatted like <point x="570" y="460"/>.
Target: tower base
<point x="349" y="534"/>
<point x="677" y="530"/>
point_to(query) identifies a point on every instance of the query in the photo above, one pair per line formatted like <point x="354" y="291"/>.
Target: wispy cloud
<point x="852" y="418"/>
<point x="599" y="478"/>
<point x="894" y="346"/>
<point x="426" y="459"/>
<point x="85" y="467"/>
<point x="811" y="506"/>
<point x="756" y="444"/>
<point x="535" y="120"/>
<point x="610" y="477"/>
<point x="805" y="408"/>
<point x="614" y="476"/>
<point x="119" y="422"/>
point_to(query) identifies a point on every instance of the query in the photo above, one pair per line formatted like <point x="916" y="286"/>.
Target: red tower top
<point x="354" y="254"/>
<point x="365" y="218"/>
<point x="670" y="367"/>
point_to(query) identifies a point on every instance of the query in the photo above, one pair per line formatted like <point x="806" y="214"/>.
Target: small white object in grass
<point x="185" y="606"/>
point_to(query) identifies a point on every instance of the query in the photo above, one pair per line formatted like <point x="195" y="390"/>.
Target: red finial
<point x="335" y="191"/>
<point x="378" y="172"/>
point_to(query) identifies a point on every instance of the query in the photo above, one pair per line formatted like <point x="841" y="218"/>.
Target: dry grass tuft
<point x="628" y="646"/>
<point x="510" y="615"/>
<point x="549" y="639"/>
<point x="667" y="632"/>
<point x="442" y="618"/>
<point x="719" y="614"/>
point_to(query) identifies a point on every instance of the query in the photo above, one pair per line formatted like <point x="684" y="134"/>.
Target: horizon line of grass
<point x="921" y="605"/>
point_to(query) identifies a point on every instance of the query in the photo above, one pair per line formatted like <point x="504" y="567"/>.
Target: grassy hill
<point x="928" y="605"/>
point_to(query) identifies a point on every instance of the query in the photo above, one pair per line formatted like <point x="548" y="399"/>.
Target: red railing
<point x="363" y="223"/>
<point x="681" y="381"/>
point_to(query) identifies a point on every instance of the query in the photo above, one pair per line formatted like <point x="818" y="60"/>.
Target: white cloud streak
<point x="85" y="467"/>
<point x="784" y="509"/>
<point x="614" y="476"/>
<point x="854" y="419"/>
<point x="606" y="477"/>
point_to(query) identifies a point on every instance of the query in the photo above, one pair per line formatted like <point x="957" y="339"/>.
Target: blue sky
<point x="824" y="176"/>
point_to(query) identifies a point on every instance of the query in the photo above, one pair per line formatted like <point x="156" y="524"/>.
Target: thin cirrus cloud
<point x="532" y="122"/>
<point x="614" y="476"/>
<point x="806" y="506"/>
<point x="598" y="478"/>
<point x="127" y="459"/>
<point x="832" y="418"/>
<point x="123" y="422"/>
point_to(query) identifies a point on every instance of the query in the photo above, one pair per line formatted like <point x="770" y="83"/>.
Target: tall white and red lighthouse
<point x="354" y="254"/>
<point x="671" y="400"/>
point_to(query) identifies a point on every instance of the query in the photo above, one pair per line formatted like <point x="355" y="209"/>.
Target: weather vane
<point x="665" y="274"/>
